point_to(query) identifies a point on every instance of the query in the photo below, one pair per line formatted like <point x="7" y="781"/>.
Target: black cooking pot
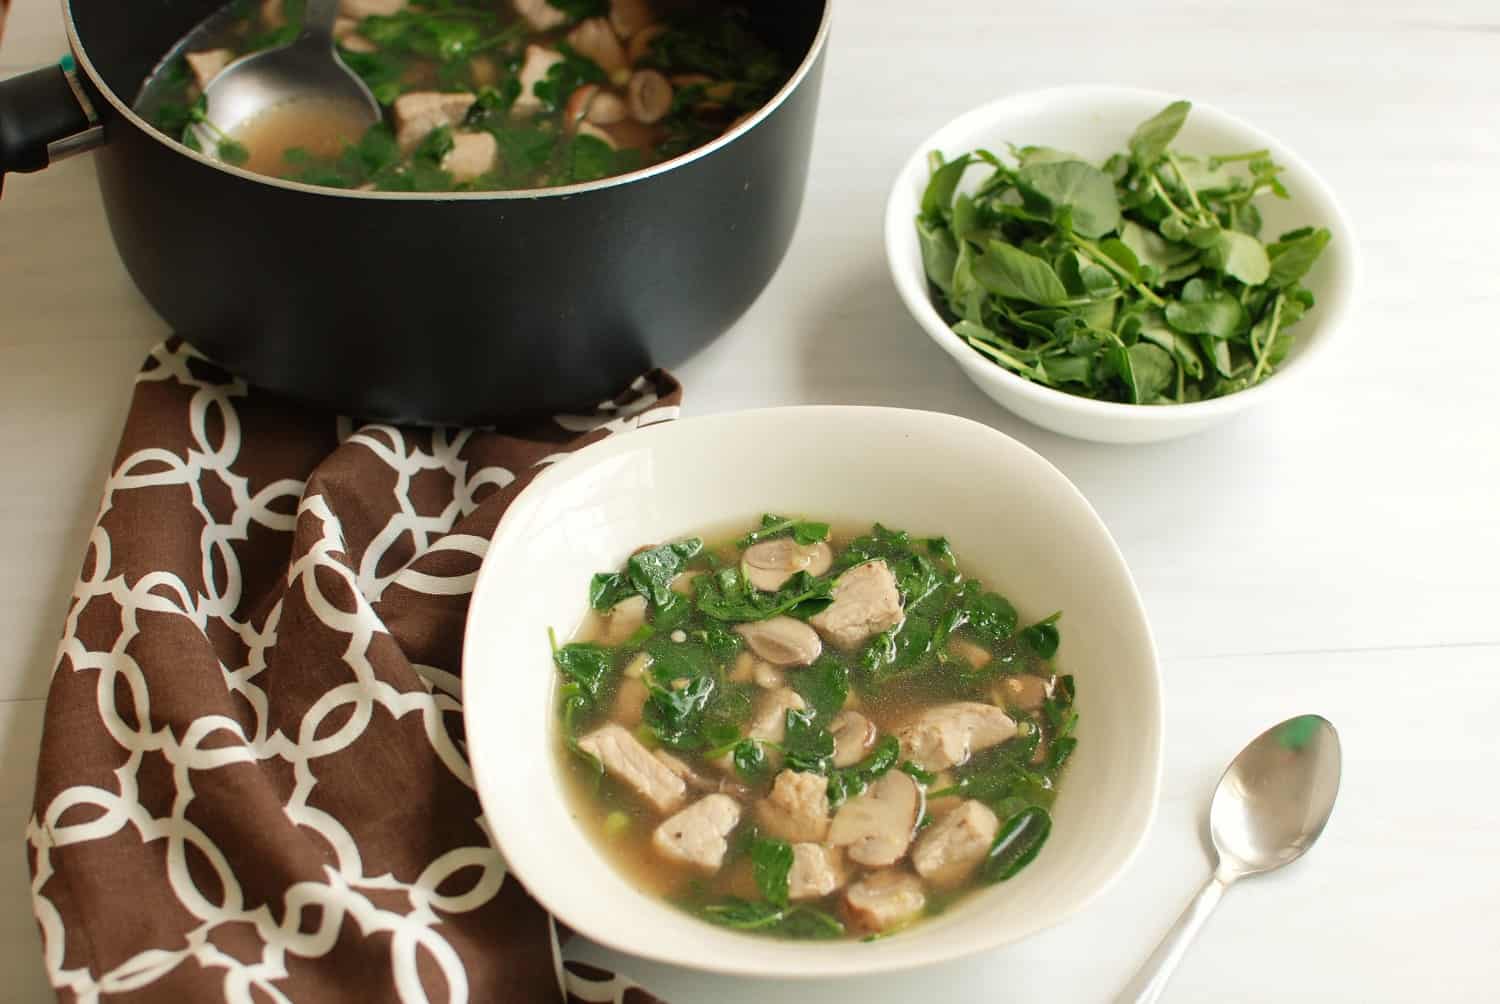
<point x="457" y="307"/>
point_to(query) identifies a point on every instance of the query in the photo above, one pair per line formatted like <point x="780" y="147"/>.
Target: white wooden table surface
<point x="1338" y="552"/>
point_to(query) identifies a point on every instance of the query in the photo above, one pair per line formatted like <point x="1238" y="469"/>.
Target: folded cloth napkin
<point x="252" y="783"/>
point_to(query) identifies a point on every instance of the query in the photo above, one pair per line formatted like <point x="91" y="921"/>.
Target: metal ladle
<point x="307" y="68"/>
<point x="1269" y="808"/>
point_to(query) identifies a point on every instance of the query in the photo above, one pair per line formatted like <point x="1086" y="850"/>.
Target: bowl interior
<point x="1094" y="122"/>
<point x="1009" y="514"/>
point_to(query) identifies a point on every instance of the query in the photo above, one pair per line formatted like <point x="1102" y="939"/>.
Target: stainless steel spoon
<point x="1269" y="808"/>
<point x="307" y="68"/>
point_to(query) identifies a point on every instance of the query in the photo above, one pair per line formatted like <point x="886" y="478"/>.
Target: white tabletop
<point x="1338" y="552"/>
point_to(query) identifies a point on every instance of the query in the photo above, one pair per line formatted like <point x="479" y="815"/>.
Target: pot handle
<point x="45" y="115"/>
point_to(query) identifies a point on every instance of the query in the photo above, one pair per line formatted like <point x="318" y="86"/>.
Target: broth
<point x="483" y="95"/>
<point x="879" y="823"/>
<point x="322" y="128"/>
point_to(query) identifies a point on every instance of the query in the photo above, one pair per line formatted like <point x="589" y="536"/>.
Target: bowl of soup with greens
<point x="810" y="691"/>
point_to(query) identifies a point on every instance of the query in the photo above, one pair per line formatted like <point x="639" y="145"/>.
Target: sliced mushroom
<point x="682" y="582"/>
<point x="743" y="670"/>
<point x="877" y="826"/>
<point x="854" y="736"/>
<point x="767" y="676"/>
<point x="624" y="619"/>
<point x="1024" y="693"/>
<point x="630" y="701"/>
<point x="715" y="92"/>
<point x="602" y="135"/>
<point x="579" y="103"/>
<point x="641" y="42"/>
<point x="977" y="656"/>
<point x="596" y="40"/>
<point x="358" y="10"/>
<point x="769" y="564"/>
<point x="648" y="96"/>
<point x="540" y="14"/>
<point x="782" y="641"/>
<point x="629" y="16"/>
<point x="273" y="13"/>
<point x="865" y="603"/>
<point x="636" y="667"/>
<point x="884" y="900"/>
<point x="608" y="109"/>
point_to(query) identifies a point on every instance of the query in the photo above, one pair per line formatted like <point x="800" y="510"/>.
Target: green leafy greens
<point x="1144" y="281"/>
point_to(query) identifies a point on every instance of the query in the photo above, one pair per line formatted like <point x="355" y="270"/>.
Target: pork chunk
<point x="947" y="735"/>
<point x="865" y="603"/>
<point x="953" y="846"/>
<point x="207" y="64"/>
<point x="854" y="736"/>
<point x="473" y="154"/>
<point x="770" y="724"/>
<point x="816" y="871"/>
<point x="877" y="826"/>
<point x="420" y="112"/>
<point x="884" y="900"/>
<point x="540" y="14"/>
<point x="769" y="564"/>
<point x="534" y="70"/>
<point x="796" y="810"/>
<point x="625" y="758"/>
<point x="630" y="701"/>
<point x="626" y="617"/>
<point x="695" y="836"/>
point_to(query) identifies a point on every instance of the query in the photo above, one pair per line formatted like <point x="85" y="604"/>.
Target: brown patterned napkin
<point x="252" y="783"/>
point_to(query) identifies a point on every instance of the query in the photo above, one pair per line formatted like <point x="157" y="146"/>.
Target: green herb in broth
<point x="710" y="63"/>
<point x="664" y="664"/>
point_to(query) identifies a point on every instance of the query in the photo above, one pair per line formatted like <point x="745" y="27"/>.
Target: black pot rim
<point x="123" y="109"/>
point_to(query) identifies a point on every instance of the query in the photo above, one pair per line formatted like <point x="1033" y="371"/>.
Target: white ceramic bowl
<point x="1008" y="513"/>
<point x="1094" y="122"/>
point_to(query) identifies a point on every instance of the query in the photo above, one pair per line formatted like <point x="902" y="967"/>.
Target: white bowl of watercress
<point x="921" y="472"/>
<point x="1120" y="265"/>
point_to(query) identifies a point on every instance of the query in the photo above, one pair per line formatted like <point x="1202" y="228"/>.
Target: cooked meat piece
<point x="877" y="826"/>
<point x="743" y="670"/>
<point x="770" y="724"/>
<point x="690" y="777"/>
<point x="695" y="836"/>
<point x="484" y="71"/>
<point x="346" y="33"/>
<point x="648" y="95"/>
<point x="273" y="13"/>
<point x="540" y="14"/>
<point x="358" y="10"/>
<point x="534" y="70"/>
<point x="625" y="758"/>
<point x="624" y="618"/>
<point x="767" y="676"/>
<point x="782" y="641"/>
<point x="596" y="40"/>
<point x="637" y="666"/>
<point x="816" y="871"/>
<point x="950" y="849"/>
<point x="603" y="135"/>
<point x="769" y="564"/>
<point x="977" y="656"/>
<point x="796" y="810"/>
<point x="576" y="110"/>
<point x="884" y="900"/>
<point x="420" y="112"/>
<point x="865" y="603"/>
<point x="473" y="154"/>
<point x="1024" y="693"/>
<point x="854" y="736"/>
<point x="207" y="64"/>
<point x="630" y="16"/>
<point x="682" y="582"/>
<point x="947" y="735"/>
<point x="640" y="42"/>
<point x="630" y="701"/>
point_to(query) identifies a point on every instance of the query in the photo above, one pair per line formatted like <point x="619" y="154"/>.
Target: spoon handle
<point x="1152" y="978"/>
<point x="317" y="22"/>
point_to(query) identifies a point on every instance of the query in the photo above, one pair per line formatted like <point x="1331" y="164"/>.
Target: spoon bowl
<point x="307" y="70"/>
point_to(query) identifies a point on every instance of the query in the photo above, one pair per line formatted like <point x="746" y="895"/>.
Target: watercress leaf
<point x="1086" y="192"/>
<point x="1151" y="371"/>
<point x="587" y="665"/>
<point x="807" y="745"/>
<point x="743" y="915"/>
<point x="939" y="253"/>
<point x="651" y="571"/>
<point x="1179" y="345"/>
<point x="1150" y="248"/>
<point x="824" y="686"/>
<point x="750" y="761"/>
<point x="1017" y="844"/>
<point x="1008" y="271"/>
<point x="1238" y="255"/>
<point x="1294" y="254"/>
<point x="938" y="197"/>
<point x="675" y="716"/>
<point x="771" y="862"/>
<point x="725" y="595"/>
<point x="917" y="773"/>
<point x="989" y="615"/>
<point x="809" y="923"/>
<point x="608" y="588"/>
<point x="1060" y="751"/>
<point x="1220" y="317"/>
<point x="849" y="782"/>
<point x="1120" y="253"/>
<point x="807" y="533"/>
<point x="1149" y="142"/>
<point x="1043" y="636"/>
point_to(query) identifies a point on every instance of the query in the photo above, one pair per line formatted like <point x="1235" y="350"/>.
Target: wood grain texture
<point x="1339" y="552"/>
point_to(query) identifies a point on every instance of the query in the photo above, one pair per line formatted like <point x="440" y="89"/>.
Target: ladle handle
<point x="1152" y="978"/>
<point x="317" y="23"/>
